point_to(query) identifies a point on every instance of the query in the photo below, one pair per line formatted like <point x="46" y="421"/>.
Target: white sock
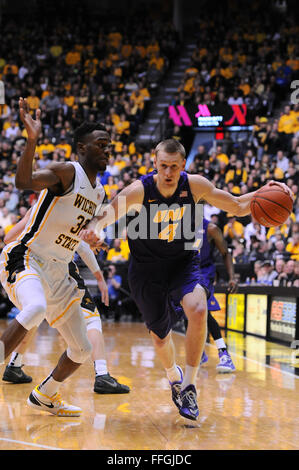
<point x="220" y="343"/>
<point x="173" y="373"/>
<point x="49" y="386"/>
<point x="189" y="376"/>
<point x="16" y="359"/>
<point x="100" y="367"/>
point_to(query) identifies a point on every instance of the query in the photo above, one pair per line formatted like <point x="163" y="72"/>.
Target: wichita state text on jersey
<point x="52" y="231"/>
<point x="87" y="206"/>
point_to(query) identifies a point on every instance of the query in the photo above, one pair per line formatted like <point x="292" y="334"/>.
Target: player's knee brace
<point x="94" y="323"/>
<point x="80" y="352"/>
<point x="32" y="315"/>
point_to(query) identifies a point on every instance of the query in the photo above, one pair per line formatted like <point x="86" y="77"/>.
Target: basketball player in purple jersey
<point x="162" y="271"/>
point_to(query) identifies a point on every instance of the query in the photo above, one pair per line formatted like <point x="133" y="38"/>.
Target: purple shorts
<point x="157" y="288"/>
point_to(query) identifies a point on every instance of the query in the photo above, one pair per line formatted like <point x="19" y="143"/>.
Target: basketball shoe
<point x="189" y="408"/>
<point x="176" y="390"/>
<point x="226" y="364"/>
<point x="105" y="384"/>
<point x="54" y="404"/>
<point x="16" y="375"/>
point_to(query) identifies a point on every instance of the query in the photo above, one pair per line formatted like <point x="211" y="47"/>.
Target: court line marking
<point x="248" y="359"/>
<point x="29" y="444"/>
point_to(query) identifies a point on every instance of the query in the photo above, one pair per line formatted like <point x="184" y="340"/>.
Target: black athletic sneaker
<point x="176" y="390"/>
<point x="189" y="408"/>
<point x="106" y="384"/>
<point x="16" y="375"/>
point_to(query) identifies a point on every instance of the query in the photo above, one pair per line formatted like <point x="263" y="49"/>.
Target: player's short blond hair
<point x="171" y="146"/>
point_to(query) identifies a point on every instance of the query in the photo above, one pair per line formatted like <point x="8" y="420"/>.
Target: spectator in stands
<point x="267" y="273"/>
<point x="5" y="217"/>
<point x="235" y="98"/>
<point x="256" y="250"/>
<point x="256" y="230"/>
<point x="279" y="266"/>
<point x="257" y="271"/>
<point x="221" y="156"/>
<point x="273" y="141"/>
<point x="280" y="252"/>
<point x="288" y="274"/>
<point x="12" y="198"/>
<point x="296" y="272"/>
<point x="282" y="161"/>
<point x="202" y="155"/>
<point x="239" y="254"/>
<point x="233" y="229"/>
<point x="293" y="246"/>
<point x="14" y="220"/>
<point x="260" y="134"/>
<point x="51" y="104"/>
<point x="117" y="253"/>
<point x="286" y="127"/>
<point x="12" y="131"/>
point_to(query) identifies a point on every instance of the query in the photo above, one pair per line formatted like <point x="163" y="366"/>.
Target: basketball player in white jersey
<point x="104" y="382"/>
<point x="34" y="268"/>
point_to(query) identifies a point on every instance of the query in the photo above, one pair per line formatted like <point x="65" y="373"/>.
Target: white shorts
<point x="60" y="289"/>
<point x="88" y="307"/>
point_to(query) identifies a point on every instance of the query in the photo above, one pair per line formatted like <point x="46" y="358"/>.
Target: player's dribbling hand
<point x="33" y="127"/>
<point x="90" y="237"/>
<point x="282" y="185"/>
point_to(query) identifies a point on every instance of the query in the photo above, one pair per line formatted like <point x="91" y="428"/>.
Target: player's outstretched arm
<point x="58" y="176"/>
<point x="130" y="198"/>
<point x="201" y="188"/>
<point x="216" y="234"/>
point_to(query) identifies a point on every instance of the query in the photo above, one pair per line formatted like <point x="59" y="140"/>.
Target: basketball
<point x="271" y="206"/>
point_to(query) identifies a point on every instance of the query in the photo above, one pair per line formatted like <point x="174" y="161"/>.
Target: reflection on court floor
<point x="256" y="407"/>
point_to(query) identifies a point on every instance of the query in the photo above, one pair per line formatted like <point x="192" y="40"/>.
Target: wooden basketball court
<point x="257" y="407"/>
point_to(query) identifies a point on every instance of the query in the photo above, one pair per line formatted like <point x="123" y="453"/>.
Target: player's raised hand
<point x="33" y="126"/>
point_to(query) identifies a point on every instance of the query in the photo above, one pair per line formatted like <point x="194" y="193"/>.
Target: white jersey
<point x="52" y="230"/>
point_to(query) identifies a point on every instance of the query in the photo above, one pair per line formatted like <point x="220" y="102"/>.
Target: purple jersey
<point x="165" y="227"/>
<point x="164" y="265"/>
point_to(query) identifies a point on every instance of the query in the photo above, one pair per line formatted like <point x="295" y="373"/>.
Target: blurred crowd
<point x="75" y="70"/>
<point x="251" y="62"/>
<point x="109" y="74"/>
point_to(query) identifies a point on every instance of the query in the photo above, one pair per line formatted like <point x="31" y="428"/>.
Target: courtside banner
<point x="283" y="318"/>
<point x="219" y="315"/>
<point x="256" y="319"/>
<point x="236" y="312"/>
